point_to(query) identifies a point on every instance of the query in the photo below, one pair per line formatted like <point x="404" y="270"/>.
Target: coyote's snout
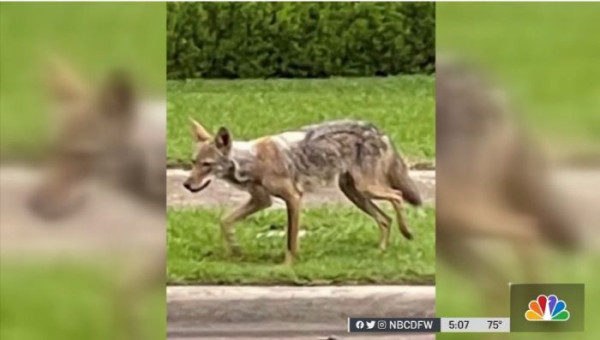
<point x="356" y="154"/>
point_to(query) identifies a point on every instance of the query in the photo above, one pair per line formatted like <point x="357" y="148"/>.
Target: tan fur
<point x="268" y="158"/>
<point x="199" y="132"/>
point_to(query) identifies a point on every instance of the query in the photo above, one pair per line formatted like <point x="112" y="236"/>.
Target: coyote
<point x="359" y="156"/>
<point x="493" y="183"/>
<point x="108" y="132"/>
<point x="492" y="179"/>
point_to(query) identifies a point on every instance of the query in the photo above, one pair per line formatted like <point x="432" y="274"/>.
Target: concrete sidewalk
<point x="289" y="312"/>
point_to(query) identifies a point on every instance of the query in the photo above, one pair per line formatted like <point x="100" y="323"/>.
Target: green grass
<point x="64" y="298"/>
<point x="404" y="107"/>
<point x="340" y="247"/>
<point x="93" y="37"/>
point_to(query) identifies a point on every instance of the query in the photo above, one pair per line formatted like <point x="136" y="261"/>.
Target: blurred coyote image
<point x="492" y="181"/>
<point x="356" y="154"/>
<point x="108" y="133"/>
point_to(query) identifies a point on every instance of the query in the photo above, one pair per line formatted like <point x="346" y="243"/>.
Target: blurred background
<point x="82" y="243"/>
<point x="518" y="155"/>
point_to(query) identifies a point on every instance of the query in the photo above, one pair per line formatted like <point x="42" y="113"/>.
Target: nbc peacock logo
<point x="547" y="308"/>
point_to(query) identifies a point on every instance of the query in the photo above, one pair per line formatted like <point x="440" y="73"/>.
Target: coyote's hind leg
<point x="376" y="191"/>
<point x="346" y="184"/>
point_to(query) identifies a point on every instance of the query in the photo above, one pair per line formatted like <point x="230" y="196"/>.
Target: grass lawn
<point x="65" y="298"/>
<point x="404" y="107"/>
<point x="339" y="247"/>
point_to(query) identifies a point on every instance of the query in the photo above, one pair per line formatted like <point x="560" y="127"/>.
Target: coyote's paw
<point x="407" y="234"/>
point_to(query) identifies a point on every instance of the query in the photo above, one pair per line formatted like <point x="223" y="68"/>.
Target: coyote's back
<point x="332" y="148"/>
<point x="328" y="150"/>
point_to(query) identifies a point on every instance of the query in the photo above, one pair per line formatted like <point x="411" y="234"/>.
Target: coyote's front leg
<point x="292" y="196"/>
<point x="259" y="200"/>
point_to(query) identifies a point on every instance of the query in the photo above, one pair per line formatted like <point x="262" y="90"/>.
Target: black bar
<point x="393" y="325"/>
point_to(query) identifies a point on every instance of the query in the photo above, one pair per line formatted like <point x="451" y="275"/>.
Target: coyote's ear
<point x="118" y="95"/>
<point x="199" y="131"/>
<point x="223" y="139"/>
<point x="64" y="83"/>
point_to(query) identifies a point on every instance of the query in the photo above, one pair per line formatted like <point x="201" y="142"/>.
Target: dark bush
<point x="274" y="39"/>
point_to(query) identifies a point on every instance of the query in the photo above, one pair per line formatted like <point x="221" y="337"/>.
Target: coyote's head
<point x="89" y="124"/>
<point x="211" y="159"/>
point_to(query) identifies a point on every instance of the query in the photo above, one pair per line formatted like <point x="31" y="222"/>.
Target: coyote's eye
<point x="207" y="164"/>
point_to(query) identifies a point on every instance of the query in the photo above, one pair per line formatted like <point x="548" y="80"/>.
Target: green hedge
<point x="274" y="39"/>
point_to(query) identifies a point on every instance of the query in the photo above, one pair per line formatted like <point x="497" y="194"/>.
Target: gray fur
<point x="242" y="165"/>
<point x="332" y="148"/>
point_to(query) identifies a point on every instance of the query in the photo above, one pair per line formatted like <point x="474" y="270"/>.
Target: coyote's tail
<point x="400" y="180"/>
